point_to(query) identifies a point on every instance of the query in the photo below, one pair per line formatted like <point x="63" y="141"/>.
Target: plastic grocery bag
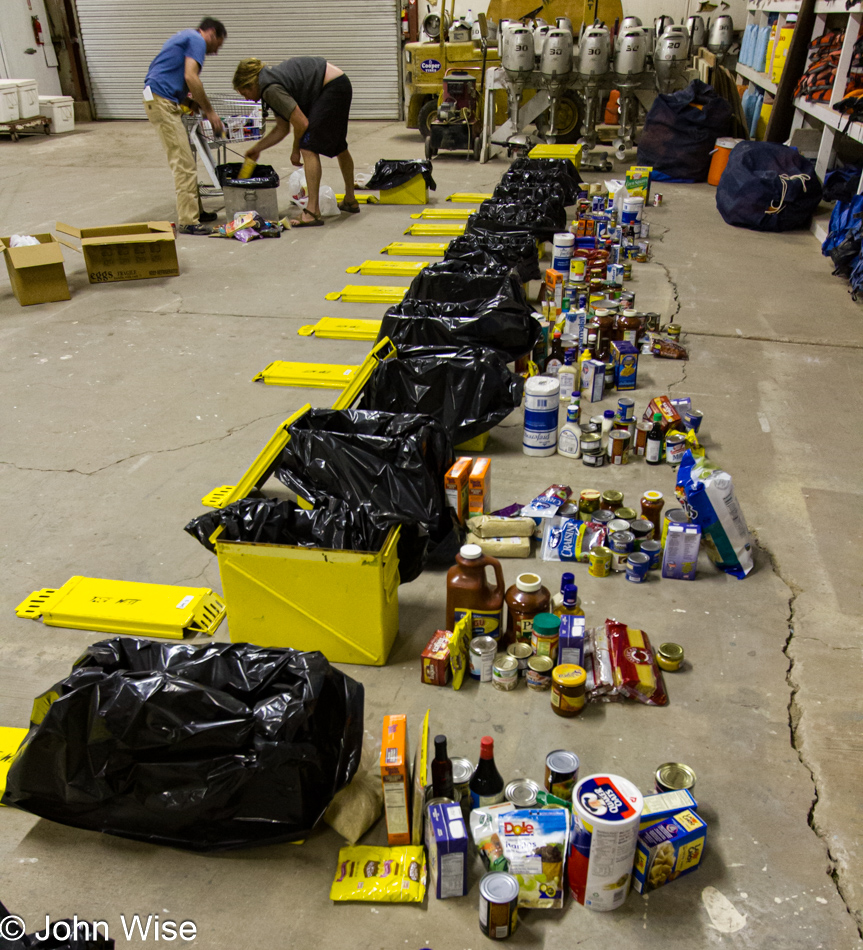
<point x="297" y="188"/>
<point x="768" y="187"/>
<point x="516" y="248"/>
<point x="332" y="524"/>
<point x="469" y="390"/>
<point x="327" y="202"/>
<point x="389" y="173"/>
<point x="204" y="748"/>
<point x="500" y="323"/>
<point x="457" y="281"/>
<point x="391" y="466"/>
<point x="712" y="505"/>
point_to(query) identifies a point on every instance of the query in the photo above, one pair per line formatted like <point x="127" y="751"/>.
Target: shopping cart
<point x="244" y="121"/>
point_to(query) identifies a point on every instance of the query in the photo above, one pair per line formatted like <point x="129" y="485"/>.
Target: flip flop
<point x="350" y="208"/>
<point x="318" y="222"/>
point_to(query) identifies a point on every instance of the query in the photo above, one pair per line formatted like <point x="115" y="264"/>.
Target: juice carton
<point x="395" y="779"/>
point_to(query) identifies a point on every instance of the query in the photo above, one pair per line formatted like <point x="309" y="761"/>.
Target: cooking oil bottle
<point x="571" y="606"/>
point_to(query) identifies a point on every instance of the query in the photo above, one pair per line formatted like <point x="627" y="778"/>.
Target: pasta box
<point x="668" y="850"/>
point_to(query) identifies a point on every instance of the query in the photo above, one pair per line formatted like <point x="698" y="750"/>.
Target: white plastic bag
<point x="22" y="240"/>
<point x="297" y="188"/>
<point x="327" y="201"/>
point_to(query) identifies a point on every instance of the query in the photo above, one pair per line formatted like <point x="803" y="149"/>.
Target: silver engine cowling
<point x="517" y="56"/>
<point x="555" y="64"/>
<point x="661" y="24"/>
<point x="594" y="53"/>
<point x="721" y="35"/>
<point x="670" y="58"/>
<point x="697" y="33"/>
<point x="539" y="35"/>
<point x="630" y="55"/>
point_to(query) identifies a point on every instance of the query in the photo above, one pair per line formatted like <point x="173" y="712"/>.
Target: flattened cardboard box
<point x="126" y="251"/>
<point x="36" y="272"/>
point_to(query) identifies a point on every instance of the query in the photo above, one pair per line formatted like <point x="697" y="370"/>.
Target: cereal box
<point x="668" y="850"/>
<point x="456" y="487"/>
<point x="638" y="181"/>
<point x="479" y="487"/>
<point x="394" y="777"/>
<point x="680" y="557"/>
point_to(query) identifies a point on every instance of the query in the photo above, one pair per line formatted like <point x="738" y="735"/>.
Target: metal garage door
<point x="362" y="37"/>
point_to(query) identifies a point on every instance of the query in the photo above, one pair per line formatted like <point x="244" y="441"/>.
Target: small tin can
<point x="568" y="689"/>
<point x="591" y="450"/>
<point x="561" y="773"/>
<point x="643" y="252"/>
<point x="669" y="657"/>
<point x="602" y="516"/>
<point x="618" y="524"/>
<point x="481" y="653"/>
<point x="672" y="516"/>
<point x="657" y="199"/>
<point x="653" y="549"/>
<point x="625" y="408"/>
<point x="588" y="427"/>
<point x="621" y="542"/>
<point x="539" y="673"/>
<point x="672" y="331"/>
<point x="522" y="653"/>
<point x="642" y="529"/>
<point x="618" y="561"/>
<point x="504" y="672"/>
<point x="609" y="375"/>
<point x="618" y="446"/>
<point x="522" y="792"/>
<point x="462" y="769"/>
<point x="692" y="419"/>
<point x="673" y="776"/>
<point x="637" y="566"/>
<point x="498" y="905"/>
<point x="627" y="514"/>
<point x="627" y="300"/>
<point x="675" y="447"/>
<point x="600" y="561"/>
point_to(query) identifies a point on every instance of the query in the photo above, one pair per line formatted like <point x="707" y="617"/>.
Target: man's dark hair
<point x="208" y="23"/>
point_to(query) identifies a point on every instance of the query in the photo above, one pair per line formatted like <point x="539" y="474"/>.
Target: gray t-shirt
<point x="294" y="82"/>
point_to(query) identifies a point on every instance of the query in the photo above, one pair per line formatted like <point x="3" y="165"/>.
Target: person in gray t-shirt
<point x="312" y="97"/>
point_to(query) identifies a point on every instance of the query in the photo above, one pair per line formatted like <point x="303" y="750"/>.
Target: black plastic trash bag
<point x="499" y="323"/>
<point x="516" y="248"/>
<point x="83" y="935"/>
<point x="469" y="390"/>
<point x="205" y="748"/>
<point x="565" y="187"/>
<point x="391" y="466"/>
<point x="333" y="525"/>
<point x="529" y="194"/>
<point x="264" y="176"/>
<point x="546" y="167"/>
<point x="767" y="187"/>
<point x="542" y="220"/>
<point x="678" y="138"/>
<point x="390" y="173"/>
<point x="457" y="281"/>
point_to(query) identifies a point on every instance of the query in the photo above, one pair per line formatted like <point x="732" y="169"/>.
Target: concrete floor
<point x="123" y="406"/>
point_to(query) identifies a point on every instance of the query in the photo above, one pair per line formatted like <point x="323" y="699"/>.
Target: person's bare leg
<point x="346" y="164"/>
<point x="312" y="163"/>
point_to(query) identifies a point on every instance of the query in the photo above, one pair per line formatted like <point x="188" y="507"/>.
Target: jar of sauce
<point x="611" y="500"/>
<point x="604" y="320"/>
<point x="568" y="689"/>
<point x="628" y="325"/>
<point x="524" y="600"/>
<point x="652" y="504"/>
<point x="546" y="635"/>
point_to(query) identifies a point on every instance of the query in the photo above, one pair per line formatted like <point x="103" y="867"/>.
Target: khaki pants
<point x="166" y="117"/>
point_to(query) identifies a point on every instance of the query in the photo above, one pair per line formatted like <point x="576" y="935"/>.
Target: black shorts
<point x="328" y="119"/>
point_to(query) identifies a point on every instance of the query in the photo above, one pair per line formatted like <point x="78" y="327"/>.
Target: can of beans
<point x="642" y="530"/>
<point x="653" y="549"/>
<point x="498" y="905"/>
<point x="522" y="653"/>
<point x="692" y="419"/>
<point x="561" y="773"/>
<point x="504" y="672"/>
<point x="481" y="653"/>
<point x="672" y="516"/>
<point x="618" y="446"/>
<point x="462" y="769"/>
<point x="625" y="408"/>
<point x="637" y="566"/>
<point x="657" y="199"/>
<point x="641" y="430"/>
<point x="539" y="673"/>
<point x="600" y="561"/>
<point x="621" y="542"/>
<point x="675" y="447"/>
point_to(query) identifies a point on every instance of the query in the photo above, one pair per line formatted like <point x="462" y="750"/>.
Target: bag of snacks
<point x="633" y="662"/>
<point x="385" y="875"/>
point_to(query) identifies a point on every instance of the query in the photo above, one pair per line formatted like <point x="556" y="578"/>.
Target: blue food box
<point x="446" y="843"/>
<point x="592" y="380"/>
<point x="624" y="356"/>
<point x="681" y="551"/>
<point x="668" y="850"/>
<point x="665" y="805"/>
<point x="571" y="644"/>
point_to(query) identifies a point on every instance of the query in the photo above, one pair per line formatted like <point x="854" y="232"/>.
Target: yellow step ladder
<point x="469" y="197"/>
<point x="444" y="214"/>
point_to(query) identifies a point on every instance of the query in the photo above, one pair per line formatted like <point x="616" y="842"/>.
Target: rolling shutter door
<point x="362" y="37"/>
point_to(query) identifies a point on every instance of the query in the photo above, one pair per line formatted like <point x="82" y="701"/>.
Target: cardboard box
<point x="665" y="805"/>
<point x="637" y="181"/>
<point x="455" y="487"/>
<point x="36" y="272"/>
<point x="680" y="557"/>
<point x="479" y="487"/>
<point x="125" y="251"/>
<point x="571" y="644"/>
<point x="592" y="380"/>
<point x="446" y="843"/>
<point x="624" y="356"/>
<point x="394" y="777"/>
<point x="668" y="850"/>
<point x="436" y="669"/>
<point x="670" y="416"/>
<point x="554" y="289"/>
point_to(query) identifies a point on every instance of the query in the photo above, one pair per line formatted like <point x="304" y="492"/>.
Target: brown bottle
<point x="652" y="504"/>
<point x="524" y="600"/>
<point x="468" y="589"/>
<point x="628" y="326"/>
<point x="605" y="333"/>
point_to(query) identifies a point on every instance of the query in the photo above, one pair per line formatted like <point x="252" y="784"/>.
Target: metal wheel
<point x="569" y="119"/>
<point x="427" y="113"/>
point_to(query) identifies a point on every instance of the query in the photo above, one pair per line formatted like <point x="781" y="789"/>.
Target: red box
<point x="436" y="669"/>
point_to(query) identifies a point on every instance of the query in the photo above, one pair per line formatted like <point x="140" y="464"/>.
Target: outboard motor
<point x="697" y="33"/>
<point x="670" y="58"/>
<point x="721" y="36"/>
<point x="555" y="68"/>
<point x="594" y="54"/>
<point x="629" y="65"/>
<point x="517" y="60"/>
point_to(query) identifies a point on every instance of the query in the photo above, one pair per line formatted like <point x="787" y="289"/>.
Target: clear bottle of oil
<point x="571" y="606"/>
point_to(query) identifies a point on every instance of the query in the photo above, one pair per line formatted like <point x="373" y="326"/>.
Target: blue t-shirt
<point x="167" y="74"/>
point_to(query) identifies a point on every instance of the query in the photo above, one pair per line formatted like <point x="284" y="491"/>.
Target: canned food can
<point x="674" y="776"/>
<point x="462" y="769"/>
<point x="625" y="408"/>
<point x="504" y="672"/>
<point x="642" y="530"/>
<point x="637" y="566"/>
<point x="672" y="516"/>
<point x="627" y="269"/>
<point x="627" y="514"/>
<point x="627" y="300"/>
<point x="675" y="447"/>
<point x="603" y="516"/>
<point x="618" y="561"/>
<point x="672" y="331"/>
<point x="641" y="430"/>
<point x="606" y="810"/>
<point x="645" y="229"/>
<point x="522" y="792"/>
<point x="522" y="653"/>
<point x="576" y="269"/>
<point x="692" y="419"/>
<point x="621" y="542"/>
<point x="653" y="549"/>
<point x="657" y="199"/>
<point x="539" y="673"/>
<point x="600" y="561"/>
<point x="593" y="461"/>
<point x="561" y="773"/>
<point x="498" y="905"/>
<point x="481" y="653"/>
<point x="618" y="446"/>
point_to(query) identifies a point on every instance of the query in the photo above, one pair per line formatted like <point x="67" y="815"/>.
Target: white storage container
<point x="8" y="100"/>
<point x="60" y="110"/>
<point x="28" y="98"/>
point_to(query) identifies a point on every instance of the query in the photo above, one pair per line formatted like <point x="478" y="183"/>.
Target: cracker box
<point x="637" y="181"/>
<point x="554" y="289"/>
<point x="395" y="779"/>
<point x="571" y="644"/>
<point x="670" y="416"/>
<point x="446" y="843"/>
<point x="479" y="487"/>
<point x="680" y="557"/>
<point x="125" y="251"/>
<point x="435" y="660"/>
<point x="592" y="380"/>
<point x="456" y="487"/>
<point x="624" y="356"/>
<point x="665" y="805"/>
<point x="668" y="850"/>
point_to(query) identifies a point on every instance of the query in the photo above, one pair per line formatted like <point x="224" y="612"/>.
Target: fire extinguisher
<point x="37" y="30"/>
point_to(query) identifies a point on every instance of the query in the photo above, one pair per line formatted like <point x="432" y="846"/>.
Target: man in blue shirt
<point x="172" y="78"/>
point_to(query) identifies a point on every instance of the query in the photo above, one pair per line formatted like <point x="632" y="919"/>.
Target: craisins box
<point x="670" y="416"/>
<point x="435" y="660"/>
